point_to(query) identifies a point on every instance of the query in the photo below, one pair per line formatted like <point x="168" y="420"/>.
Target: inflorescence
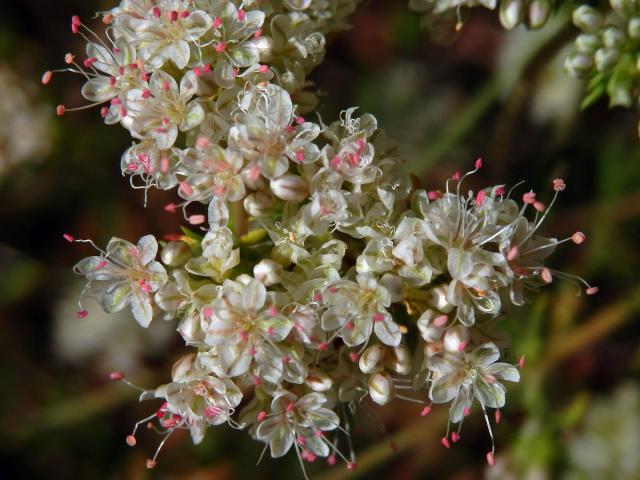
<point x="316" y="277"/>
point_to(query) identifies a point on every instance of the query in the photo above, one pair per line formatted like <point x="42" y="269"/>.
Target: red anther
<point x="592" y="290"/>
<point x="258" y="33"/>
<point x="256" y="380"/>
<point x="425" y="411"/>
<point x="146" y="93"/>
<point x="445" y="442"/>
<point x="101" y="265"/>
<point x="263" y="69"/>
<point x="68" y="238"/>
<point x="184" y="14"/>
<point x="173" y="16"/>
<point x="433" y="195"/>
<point x="74" y="28"/>
<point x="112" y="81"/>
<point x="539" y="206"/>
<point x="299" y="120"/>
<point x="270" y="332"/>
<point x="466" y="411"/>
<point x="335" y="162"/>
<point x="207" y="311"/>
<point x="68" y="58"/>
<point x="82" y="313"/>
<point x="46" y="77"/>
<point x="455" y="437"/>
<point x="197" y="71"/>
<point x="144" y="285"/>
<point x="75" y="20"/>
<point x="156" y="12"/>
<point x="300" y="155"/>
<point x="220" y="47"/>
<point x="197" y="219"/>
<point x="216" y="22"/>
<point x="513" y="254"/>
<point x="151" y="463"/>
<point x="241" y="15"/>
<point x="170" y="207"/>
<point x="164" y="165"/>
<point x="500" y="191"/>
<point x="89" y="61"/>
<point x="456" y="176"/>
<point x="116" y="376"/>
<point x="529" y="197"/>
<point x="462" y="346"/>
<point x="212" y="411"/>
<point x="578" y="238"/>
<point x="350" y="325"/>
<point x="521" y="361"/>
<point x="351" y="466"/>
<point x="479" y="163"/>
<point x="244" y="335"/>
<point x="261" y="415"/>
<point x="186" y="189"/>
<point x="498" y="415"/>
<point x="331" y="460"/>
<point x="107" y="19"/>
<point x="480" y="198"/>
<point x="290" y="407"/>
<point x="317" y="297"/>
<point x="546" y="276"/>
<point x="60" y="110"/>
<point x="323" y="346"/>
<point x="354" y="357"/>
<point x="491" y="459"/>
<point x="131" y="440"/>
<point x="123" y="112"/>
<point x="440" y="321"/>
<point x="202" y="142"/>
<point x="207" y="67"/>
<point x="300" y="439"/>
<point x="378" y="317"/>
<point x="559" y="185"/>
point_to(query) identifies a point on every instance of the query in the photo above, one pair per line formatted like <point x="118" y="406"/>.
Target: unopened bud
<point x="258" y="204"/>
<point x="587" y="18"/>
<point x="429" y="331"/>
<point x="633" y="29"/>
<point x="578" y="65"/>
<point x="175" y="254"/>
<point x="371" y="358"/>
<point x="606" y="59"/>
<point x="318" y="381"/>
<point x="587" y="43"/>
<point x="268" y="272"/>
<point x="381" y="388"/>
<point x="291" y="188"/>
<point x="613" y="37"/>
<point x="456" y="338"/>
<point x="511" y="13"/>
<point x="538" y="14"/>
<point x="398" y="360"/>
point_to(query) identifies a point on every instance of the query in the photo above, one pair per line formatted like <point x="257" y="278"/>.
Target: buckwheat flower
<point x="163" y="109"/>
<point x="197" y="399"/>
<point x="355" y="310"/>
<point x="166" y="32"/>
<point x="218" y="255"/>
<point x="299" y="422"/>
<point x="113" y="73"/>
<point x="464" y="377"/>
<point x="152" y="165"/>
<point x="230" y="44"/>
<point x="211" y="170"/>
<point x="245" y="325"/>
<point x="125" y="274"/>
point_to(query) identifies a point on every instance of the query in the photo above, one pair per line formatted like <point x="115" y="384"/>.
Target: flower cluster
<point x="319" y="276"/>
<point x="607" y="51"/>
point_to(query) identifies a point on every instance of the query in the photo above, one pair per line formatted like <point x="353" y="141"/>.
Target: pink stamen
<point x="529" y="197"/>
<point x="479" y="163"/>
<point x="170" y="207"/>
<point x="578" y="238"/>
<point x="258" y="33"/>
<point x="300" y="155"/>
<point x="60" y="110"/>
<point x="425" y="411"/>
<point x="546" y="276"/>
<point x="491" y="459"/>
<point x="156" y="12"/>
<point x="263" y="69"/>
<point x="197" y="219"/>
<point x="513" y="254"/>
<point x="207" y="311"/>
<point x="455" y="437"/>
<point x="351" y="466"/>
<point x="559" y="185"/>
<point x="68" y="58"/>
<point x="378" y="317"/>
<point x="241" y="15"/>
<point x="433" y="195"/>
<point x="131" y="440"/>
<point x="68" y="238"/>
<point x="521" y="361"/>
<point x="220" y="47"/>
<point x="216" y="22"/>
<point x="498" y="415"/>
<point x="539" y="206"/>
<point x="480" y="197"/>
<point x="456" y="176"/>
<point x="261" y="415"/>
<point x="331" y="460"/>
<point x="116" y="376"/>
<point x="186" y="189"/>
<point x="440" y="321"/>
<point x="164" y="165"/>
<point x="151" y="463"/>
<point x="46" y="77"/>
<point x="592" y="290"/>
<point x="323" y="346"/>
<point x="500" y="191"/>
<point x="290" y="407"/>
<point x="353" y="356"/>
<point x="445" y="442"/>
<point x="101" y="265"/>
<point x="466" y="411"/>
<point x="82" y="313"/>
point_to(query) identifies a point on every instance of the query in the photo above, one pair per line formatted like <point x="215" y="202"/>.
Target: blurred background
<point x="502" y="96"/>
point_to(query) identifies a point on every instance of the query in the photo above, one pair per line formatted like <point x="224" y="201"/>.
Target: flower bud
<point x="318" y="381"/>
<point x="437" y="298"/>
<point x="268" y="272"/>
<point x="381" y="388"/>
<point x="587" y="18"/>
<point x="606" y="59"/>
<point x="183" y="367"/>
<point x="264" y="45"/>
<point x="633" y="30"/>
<point x="258" y="204"/>
<point x="428" y="331"/>
<point x="291" y="188"/>
<point x="624" y="8"/>
<point x="511" y="13"/>
<point x="578" y="65"/>
<point x="456" y="339"/>
<point x="253" y="178"/>
<point x="175" y="254"/>
<point x="398" y="360"/>
<point x="613" y="37"/>
<point x="538" y="14"/>
<point x="587" y="43"/>
<point x="371" y="358"/>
